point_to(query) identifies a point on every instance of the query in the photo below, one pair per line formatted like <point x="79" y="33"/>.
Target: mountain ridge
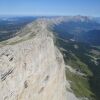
<point x="38" y="43"/>
<point x="33" y="67"/>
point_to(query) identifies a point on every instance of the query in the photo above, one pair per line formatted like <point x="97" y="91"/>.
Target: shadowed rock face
<point x="32" y="68"/>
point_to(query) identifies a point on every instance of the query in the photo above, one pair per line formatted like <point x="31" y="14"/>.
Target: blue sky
<point x="50" y="7"/>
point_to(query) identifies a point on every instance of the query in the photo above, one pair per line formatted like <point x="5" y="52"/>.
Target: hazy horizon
<point x="49" y="8"/>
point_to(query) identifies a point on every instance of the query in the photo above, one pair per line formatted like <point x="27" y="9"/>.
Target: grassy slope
<point x="79" y="59"/>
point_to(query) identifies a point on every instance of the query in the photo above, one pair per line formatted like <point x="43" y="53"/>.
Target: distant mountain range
<point x="79" y="28"/>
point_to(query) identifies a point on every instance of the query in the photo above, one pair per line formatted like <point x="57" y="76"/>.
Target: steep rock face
<point x="32" y="68"/>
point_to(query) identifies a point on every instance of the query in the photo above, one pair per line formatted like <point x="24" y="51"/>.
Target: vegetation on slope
<point x="79" y="57"/>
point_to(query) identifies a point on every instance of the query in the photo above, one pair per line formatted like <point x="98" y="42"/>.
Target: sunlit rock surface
<point x="32" y="68"/>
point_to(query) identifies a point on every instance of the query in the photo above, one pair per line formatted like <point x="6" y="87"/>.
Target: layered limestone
<point x="31" y="66"/>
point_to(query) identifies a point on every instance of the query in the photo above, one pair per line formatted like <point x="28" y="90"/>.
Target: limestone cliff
<point x="31" y="66"/>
